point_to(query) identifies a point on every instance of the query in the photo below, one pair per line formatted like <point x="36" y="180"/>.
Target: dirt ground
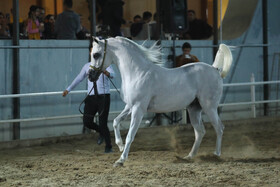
<point x="250" y="157"/>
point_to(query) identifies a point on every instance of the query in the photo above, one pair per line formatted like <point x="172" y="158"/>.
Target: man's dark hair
<point x="137" y="16"/>
<point x="32" y="8"/>
<point x="147" y="15"/>
<point x="186" y="45"/>
<point x="68" y="3"/>
<point x="192" y="11"/>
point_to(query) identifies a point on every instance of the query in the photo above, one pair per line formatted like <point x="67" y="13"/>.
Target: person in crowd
<point x="137" y="19"/>
<point x="42" y="14"/>
<point x="22" y="25"/>
<point x="98" y="100"/>
<point x="33" y="25"/>
<point x="4" y="28"/>
<point x="198" y="29"/>
<point x="186" y="57"/>
<point x="112" y="15"/>
<point x="153" y="28"/>
<point x="84" y="32"/>
<point x="147" y="16"/>
<point x="141" y="30"/>
<point x="67" y="24"/>
<point x="101" y="29"/>
<point x="49" y="22"/>
<point x="41" y="17"/>
<point x="136" y="26"/>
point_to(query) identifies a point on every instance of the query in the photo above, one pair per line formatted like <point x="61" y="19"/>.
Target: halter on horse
<point x="147" y="87"/>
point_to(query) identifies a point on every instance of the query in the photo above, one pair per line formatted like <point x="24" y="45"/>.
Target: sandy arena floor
<point x="250" y="157"/>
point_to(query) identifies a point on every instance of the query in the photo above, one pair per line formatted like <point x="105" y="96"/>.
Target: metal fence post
<point x="16" y="70"/>
<point x="253" y="97"/>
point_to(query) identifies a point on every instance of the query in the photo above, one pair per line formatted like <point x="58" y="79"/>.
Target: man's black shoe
<point x="108" y="150"/>
<point x="100" y="140"/>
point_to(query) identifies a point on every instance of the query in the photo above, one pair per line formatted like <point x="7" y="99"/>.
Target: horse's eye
<point x="96" y="56"/>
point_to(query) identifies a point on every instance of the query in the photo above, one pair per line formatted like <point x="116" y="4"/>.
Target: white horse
<point x="147" y="87"/>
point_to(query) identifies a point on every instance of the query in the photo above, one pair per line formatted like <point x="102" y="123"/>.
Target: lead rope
<point x="84" y="101"/>
<point x="114" y="86"/>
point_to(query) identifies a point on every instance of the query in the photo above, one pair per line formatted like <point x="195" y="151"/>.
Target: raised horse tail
<point x="223" y="60"/>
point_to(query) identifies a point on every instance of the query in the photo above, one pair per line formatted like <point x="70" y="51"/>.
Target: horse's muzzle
<point x="93" y="75"/>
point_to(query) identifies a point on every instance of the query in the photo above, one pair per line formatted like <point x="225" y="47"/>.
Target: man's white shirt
<point x="103" y="82"/>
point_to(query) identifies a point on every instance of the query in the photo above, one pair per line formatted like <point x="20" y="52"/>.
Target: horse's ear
<point x="95" y="39"/>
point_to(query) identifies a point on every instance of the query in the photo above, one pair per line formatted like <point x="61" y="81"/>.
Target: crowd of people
<point x="68" y="24"/>
<point x="144" y="28"/>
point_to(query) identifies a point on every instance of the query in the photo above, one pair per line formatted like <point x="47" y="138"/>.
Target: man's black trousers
<point x="100" y="104"/>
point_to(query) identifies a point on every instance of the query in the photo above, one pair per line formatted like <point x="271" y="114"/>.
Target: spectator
<point x="4" y="28"/>
<point x="41" y="15"/>
<point x="22" y="25"/>
<point x="198" y="29"/>
<point x="49" y="27"/>
<point x="153" y="28"/>
<point x="186" y="57"/>
<point x="67" y="24"/>
<point x="97" y="101"/>
<point x="102" y="30"/>
<point x="136" y="26"/>
<point x="84" y="32"/>
<point x="112" y="15"/>
<point x="33" y="26"/>
<point x="137" y="19"/>
<point x="141" y="30"/>
<point x="147" y="17"/>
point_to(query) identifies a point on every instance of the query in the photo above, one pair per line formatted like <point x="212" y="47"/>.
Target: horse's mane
<point x="152" y="53"/>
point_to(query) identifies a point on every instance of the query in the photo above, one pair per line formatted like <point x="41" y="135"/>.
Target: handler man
<point x="97" y="101"/>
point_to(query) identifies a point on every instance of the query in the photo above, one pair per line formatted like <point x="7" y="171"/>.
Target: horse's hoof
<point x="182" y="160"/>
<point x="217" y="154"/>
<point x="188" y="157"/>
<point x="117" y="164"/>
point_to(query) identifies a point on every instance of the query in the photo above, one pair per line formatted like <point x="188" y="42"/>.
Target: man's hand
<point x="65" y="92"/>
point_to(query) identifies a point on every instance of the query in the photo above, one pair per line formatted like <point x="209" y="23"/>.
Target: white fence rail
<point x="253" y="102"/>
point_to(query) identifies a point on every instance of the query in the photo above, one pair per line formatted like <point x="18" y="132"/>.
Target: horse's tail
<point x="223" y="60"/>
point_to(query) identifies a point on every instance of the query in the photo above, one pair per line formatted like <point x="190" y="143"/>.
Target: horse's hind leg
<point x="218" y="126"/>
<point x="116" y="125"/>
<point x="195" y="116"/>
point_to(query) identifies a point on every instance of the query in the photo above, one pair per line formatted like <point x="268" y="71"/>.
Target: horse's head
<point x="99" y="56"/>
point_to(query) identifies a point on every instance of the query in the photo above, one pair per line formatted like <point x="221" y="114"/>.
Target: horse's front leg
<point x="136" y="117"/>
<point x="116" y="125"/>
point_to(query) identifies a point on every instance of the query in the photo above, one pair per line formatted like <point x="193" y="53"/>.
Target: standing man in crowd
<point x="186" y="57"/>
<point x="141" y="30"/>
<point x="98" y="100"/>
<point x="198" y="29"/>
<point x="4" y="29"/>
<point x="67" y="24"/>
<point x="112" y="15"/>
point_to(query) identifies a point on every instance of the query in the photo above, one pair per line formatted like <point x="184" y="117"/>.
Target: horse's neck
<point x="131" y="63"/>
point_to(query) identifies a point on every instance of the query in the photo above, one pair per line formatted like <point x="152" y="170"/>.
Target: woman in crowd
<point x="33" y="26"/>
<point x="49" y="27"/>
